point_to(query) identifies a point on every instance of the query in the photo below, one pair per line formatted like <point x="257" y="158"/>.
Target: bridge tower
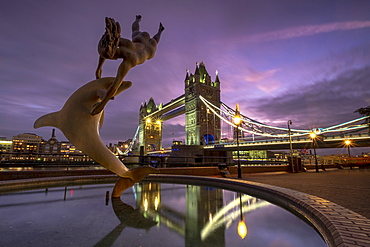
<point x="150" y="134"/>
<point x="202" y="126"/>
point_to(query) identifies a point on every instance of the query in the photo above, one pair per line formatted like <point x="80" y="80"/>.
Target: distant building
<point x="124" y="145"/>
<point x="52" y="146"/>
<point x="6" y="146"/>
<point x="120" y="147"/>
<point x="26" y="146"/>
<point x="50" y="149"/>
<point x="174" y="142"/>
<point x="54" y="151"/>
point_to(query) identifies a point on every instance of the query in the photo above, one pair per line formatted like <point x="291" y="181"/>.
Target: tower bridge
<point x="204" y="112"/>
<point x="199" y="130"/>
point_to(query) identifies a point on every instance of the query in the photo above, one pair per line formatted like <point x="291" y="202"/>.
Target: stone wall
<point x="195" y="171"/>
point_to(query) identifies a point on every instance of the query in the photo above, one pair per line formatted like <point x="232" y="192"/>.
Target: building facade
<point x="6" y="147"/>
<point x="30" y="148"/>
<point x="26" y="146"/>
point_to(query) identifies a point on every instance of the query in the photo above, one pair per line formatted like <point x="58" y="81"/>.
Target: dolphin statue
<point x="81" y="128"/>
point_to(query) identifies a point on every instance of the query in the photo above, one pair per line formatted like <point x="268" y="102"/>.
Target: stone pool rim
<point x="337" y="225"/>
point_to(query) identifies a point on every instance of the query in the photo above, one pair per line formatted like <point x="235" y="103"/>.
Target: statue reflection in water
<point x="128" y="217"/>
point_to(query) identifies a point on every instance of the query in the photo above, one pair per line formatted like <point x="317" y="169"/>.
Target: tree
<point x="364" y="111"/>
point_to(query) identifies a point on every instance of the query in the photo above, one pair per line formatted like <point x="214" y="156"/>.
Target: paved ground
<point x="348" y="188"/>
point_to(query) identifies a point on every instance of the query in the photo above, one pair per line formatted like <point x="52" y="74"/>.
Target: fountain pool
<point x="148" y="214"/>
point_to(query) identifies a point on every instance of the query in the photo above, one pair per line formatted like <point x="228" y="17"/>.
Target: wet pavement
<point x="349" y="188"/>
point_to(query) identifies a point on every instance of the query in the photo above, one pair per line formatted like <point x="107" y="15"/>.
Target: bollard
<point x="107" y="198"/>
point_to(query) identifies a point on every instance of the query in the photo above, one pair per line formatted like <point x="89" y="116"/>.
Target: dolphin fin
<point x="101" y="93"/>
<point x="124" y="85"/>
<point x="101" y="120"/>
<point x="51" y="119"/>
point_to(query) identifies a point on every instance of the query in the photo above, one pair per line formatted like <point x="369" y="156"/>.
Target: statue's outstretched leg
<point x="113" y="89"/>
<point x="157" y="36"/>
<point x="136" y="25"/>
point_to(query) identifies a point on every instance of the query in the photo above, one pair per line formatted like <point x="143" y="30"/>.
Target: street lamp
<point x="348" y="143"/>
<point x="237" y="121"/>
<point x="207" y="136"/>
<point x="290" y="145"/>
<point x="313" y="137"/>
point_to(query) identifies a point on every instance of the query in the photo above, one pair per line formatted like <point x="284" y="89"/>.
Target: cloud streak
<point x="323" y="104"/>
<point x="302" y="31"/>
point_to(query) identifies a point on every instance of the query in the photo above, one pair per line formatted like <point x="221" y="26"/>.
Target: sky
<point x="307" y="61"/>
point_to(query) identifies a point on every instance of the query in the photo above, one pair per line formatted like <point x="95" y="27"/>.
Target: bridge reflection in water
<point x="206" y="215"/>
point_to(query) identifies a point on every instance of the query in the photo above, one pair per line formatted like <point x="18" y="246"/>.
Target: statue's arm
<point x="99" y="68"/>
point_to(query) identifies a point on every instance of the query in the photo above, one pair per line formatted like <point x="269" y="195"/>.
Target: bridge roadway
<point x="357" y="140"/>
<point x="170" y="110"/>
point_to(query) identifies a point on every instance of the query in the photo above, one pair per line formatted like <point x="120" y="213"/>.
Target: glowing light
<point x="146" y="204"/>
<point x="237" y="120"/>
<point x="156" y="203"/>
<point x="347" y="142"/>
<point x="313" y="135"/>
<point x="242" y="229"/>
<point x="158" y="122"/>
<point x="148" y="120"/>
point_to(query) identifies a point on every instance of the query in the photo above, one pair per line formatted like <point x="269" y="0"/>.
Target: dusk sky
<point x="307" y="61"/>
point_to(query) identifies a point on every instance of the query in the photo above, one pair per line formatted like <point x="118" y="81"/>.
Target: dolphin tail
<point x="138" y="173"/>
<point x="131" y="177"/>
<point x="51" y="119"/>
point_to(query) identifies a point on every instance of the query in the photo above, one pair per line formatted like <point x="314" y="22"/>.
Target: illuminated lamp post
<point x="313" y="137"/>
<point x="237" y="121"/>
<point x="290" y="145"/>
<point x="207" y="136"/>
<point x="348" y="143"/>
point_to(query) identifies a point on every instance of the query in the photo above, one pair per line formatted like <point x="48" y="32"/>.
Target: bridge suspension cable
<point x="129" y="148"/>
<point x="257" y="128"/>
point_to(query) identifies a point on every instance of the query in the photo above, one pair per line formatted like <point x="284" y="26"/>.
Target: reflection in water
<point x="204" y="222"/>
<point x="129" y="217"/>
<point x="148" y="214"/>
<point x="242" y="227"/>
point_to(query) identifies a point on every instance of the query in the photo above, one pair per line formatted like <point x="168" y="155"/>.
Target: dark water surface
<point x="148" y="214"/>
